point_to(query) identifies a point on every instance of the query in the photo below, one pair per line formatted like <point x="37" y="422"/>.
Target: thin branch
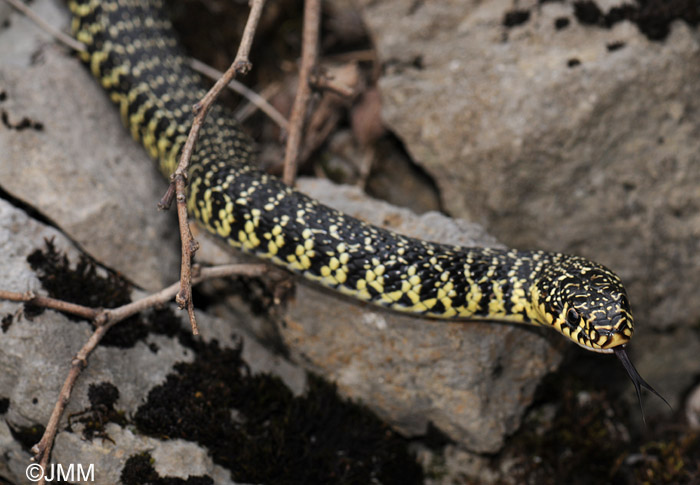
<point x="43" y="24"/>
<point x="103" y="321"/>
<point x="47" y="302"/>
<point x="164" y="295"/>
<point x="188" y="247"/>
<point x="241" y="64"/>
<point x="309" y="54"/>
<point x="240" y="88"/>
<point x="242" y="113"/>
<point x="42" y="450"/>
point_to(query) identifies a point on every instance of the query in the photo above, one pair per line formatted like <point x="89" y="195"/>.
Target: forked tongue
<point x="636" y="378"/>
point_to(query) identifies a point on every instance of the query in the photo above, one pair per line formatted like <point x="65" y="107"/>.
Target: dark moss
<point x="81" y="285"/>
<point x="615" y="46"/>
<point x="561" y="23"/>
<point x="139" y="470"/>
<point x="164" y="321"/>
<point x="582" y="442"/>
<point x="102" y="398"/>
<point x="84" y="285"/>
<point x="652" y="17"/>
<point x="6" y="322"/>
<point x="673" y="460"/>
<point x="27" y="436"/>
<point x="255" y="427"/>
<point x="581" y="431"/>
<point x="23" y="124"/>
<point x="588" y="13"/>
<point x="516" y="17"/>
<point x="104" y="395"/>
<point x="4" y="405"/>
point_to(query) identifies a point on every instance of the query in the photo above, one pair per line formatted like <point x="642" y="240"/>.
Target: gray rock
<point x="173" y="458"/>
<point x="600" y="159"/>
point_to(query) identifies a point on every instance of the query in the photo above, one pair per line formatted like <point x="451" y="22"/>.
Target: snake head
<point x="587" y="303"/>
<point x="584" y="301"/>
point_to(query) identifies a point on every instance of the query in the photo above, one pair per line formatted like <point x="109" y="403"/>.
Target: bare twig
<point x="60" y="36"/>
<point x="103" y="321"/>
<point x="240" y="88"/>
<point x="42" y="450"/>
<point x="47" y="302"/>
<point x="241" y="64"/>
<point x="309" y="54"/>
<point x="242" y="113"/>
<point x="164" y="295"/>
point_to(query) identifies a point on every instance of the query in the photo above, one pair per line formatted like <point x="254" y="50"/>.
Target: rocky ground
<point x="568" y="126"/>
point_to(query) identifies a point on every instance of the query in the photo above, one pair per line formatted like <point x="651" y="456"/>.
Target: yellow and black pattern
<point x="133" y="52"/>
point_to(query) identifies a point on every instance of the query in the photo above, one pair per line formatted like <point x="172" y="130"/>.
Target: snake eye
<point x="572" y="317"/>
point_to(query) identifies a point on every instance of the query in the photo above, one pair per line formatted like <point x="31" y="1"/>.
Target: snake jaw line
<point x="596" y="350"/>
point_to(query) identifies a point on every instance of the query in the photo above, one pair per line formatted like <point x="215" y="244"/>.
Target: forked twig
<point x="240" y="64"/>
<point x="48" y="302"/>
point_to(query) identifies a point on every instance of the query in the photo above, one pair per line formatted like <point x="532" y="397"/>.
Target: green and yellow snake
<point x="133" y="51"/>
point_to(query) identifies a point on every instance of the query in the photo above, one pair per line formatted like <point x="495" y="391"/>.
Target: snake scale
<point x="134" y="53"/>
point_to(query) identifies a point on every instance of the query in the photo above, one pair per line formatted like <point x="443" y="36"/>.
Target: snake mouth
<point x="636" y="379"/>
<point x="595" y="349"/>
<point x="612" y="341"/>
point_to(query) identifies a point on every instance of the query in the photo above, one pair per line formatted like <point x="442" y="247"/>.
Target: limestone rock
<point x="577" y="139"/>
<point x="108" y="457"/>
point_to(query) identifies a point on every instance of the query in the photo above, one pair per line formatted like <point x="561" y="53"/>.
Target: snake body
<point x="133" y="52"/>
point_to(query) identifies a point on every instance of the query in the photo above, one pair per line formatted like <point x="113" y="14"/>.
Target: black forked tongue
<point x="636" y="378"/>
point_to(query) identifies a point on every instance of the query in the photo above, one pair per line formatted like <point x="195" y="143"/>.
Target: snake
<point x="133" y="51"/>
